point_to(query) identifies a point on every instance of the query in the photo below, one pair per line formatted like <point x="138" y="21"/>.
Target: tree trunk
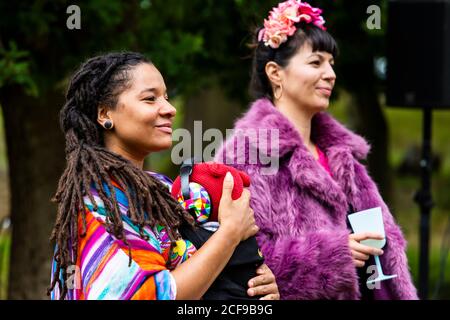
<point x="36" y="159"/>
<point x="372" y="125"/>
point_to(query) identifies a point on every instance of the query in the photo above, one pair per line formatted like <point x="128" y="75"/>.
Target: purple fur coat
<point x="301" y="210"/>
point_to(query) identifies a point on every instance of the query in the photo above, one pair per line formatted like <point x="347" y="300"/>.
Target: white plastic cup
<point x="370" y="220"/>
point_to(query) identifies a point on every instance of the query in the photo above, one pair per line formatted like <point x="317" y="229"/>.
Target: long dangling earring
<point x="281" y="92"/>
<point x="108" y="125"/>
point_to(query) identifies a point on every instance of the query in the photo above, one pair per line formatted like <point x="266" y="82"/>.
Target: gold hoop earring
<point x="281" y="89"/>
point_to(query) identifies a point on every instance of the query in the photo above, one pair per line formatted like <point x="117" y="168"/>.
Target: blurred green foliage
<point x="187" y="40"/>
<point x="14" y="67"/>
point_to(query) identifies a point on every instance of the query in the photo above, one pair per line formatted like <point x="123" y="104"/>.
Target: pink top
<point x="323" y="160"/>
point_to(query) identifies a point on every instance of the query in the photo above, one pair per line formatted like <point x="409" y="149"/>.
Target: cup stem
<point x="378" y="263"/>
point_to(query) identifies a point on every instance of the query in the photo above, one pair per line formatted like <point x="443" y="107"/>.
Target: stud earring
<point x="108" y="124"/>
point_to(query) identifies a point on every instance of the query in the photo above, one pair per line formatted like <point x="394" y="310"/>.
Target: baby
<point x="199" y="189"/>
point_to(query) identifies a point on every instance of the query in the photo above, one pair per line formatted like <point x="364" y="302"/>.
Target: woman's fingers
<point x="261" y="280"/>
<point x="227" y="187"/>
<point x="263" y="269"/>
<point x="359" y="263"/>
<point x="265" y="276"/>
<point x="245" y="196"/>
<point x="236" y="215"/>
<point x="274" y="296"/>
<point x="360" y="253"/>
<point x="264" y="284"/>
<point x="262" y="290"/>
<point x="251" y="232"/>
<point x="252" y="215"/>
<point x="360" y="256"/>
<point x="366" y="249"/>
<point x="366" y="235"/>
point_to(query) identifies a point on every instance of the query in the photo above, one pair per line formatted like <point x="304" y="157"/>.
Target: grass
<point x="5" y="246"/>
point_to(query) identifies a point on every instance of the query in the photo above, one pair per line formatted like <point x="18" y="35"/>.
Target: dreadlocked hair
<point x="97" y="82"/>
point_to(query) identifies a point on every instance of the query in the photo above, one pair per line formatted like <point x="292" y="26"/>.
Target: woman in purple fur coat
<point x="307" y="177"/>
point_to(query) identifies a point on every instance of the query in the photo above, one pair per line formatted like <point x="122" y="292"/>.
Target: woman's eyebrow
<point x="148" y="90"/>
<point x="315" y="54"/>
<point x="154" y="90"/>
<point x="321" y="56"/>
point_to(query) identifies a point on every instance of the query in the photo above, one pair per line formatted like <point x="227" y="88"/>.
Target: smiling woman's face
<point x="309" y="78"/>
<point x="143" y="116"/>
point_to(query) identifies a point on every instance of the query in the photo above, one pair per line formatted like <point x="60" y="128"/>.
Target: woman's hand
<point x="236" y="216"/>
<point x="194" y="276"/>
<point x="360" y="252"/>
<point x="264" y="284"/>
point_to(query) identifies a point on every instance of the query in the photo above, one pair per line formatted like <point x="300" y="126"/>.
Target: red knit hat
<point x="210" y="175"/>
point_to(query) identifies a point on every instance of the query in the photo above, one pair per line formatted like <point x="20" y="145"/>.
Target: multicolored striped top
<point x="102" y="269"/>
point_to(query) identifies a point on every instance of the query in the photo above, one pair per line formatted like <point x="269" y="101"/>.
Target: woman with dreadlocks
<point x="116" y="229"/>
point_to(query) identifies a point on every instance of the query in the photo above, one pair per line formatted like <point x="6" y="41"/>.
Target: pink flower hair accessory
<point x="282" y="19"/>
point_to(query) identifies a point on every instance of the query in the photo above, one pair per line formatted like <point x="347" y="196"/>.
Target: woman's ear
<point x="103" y="114"/>
<point x="273" y="72"/>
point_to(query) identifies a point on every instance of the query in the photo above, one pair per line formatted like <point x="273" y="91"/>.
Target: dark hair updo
<point x="319" y="40"/>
